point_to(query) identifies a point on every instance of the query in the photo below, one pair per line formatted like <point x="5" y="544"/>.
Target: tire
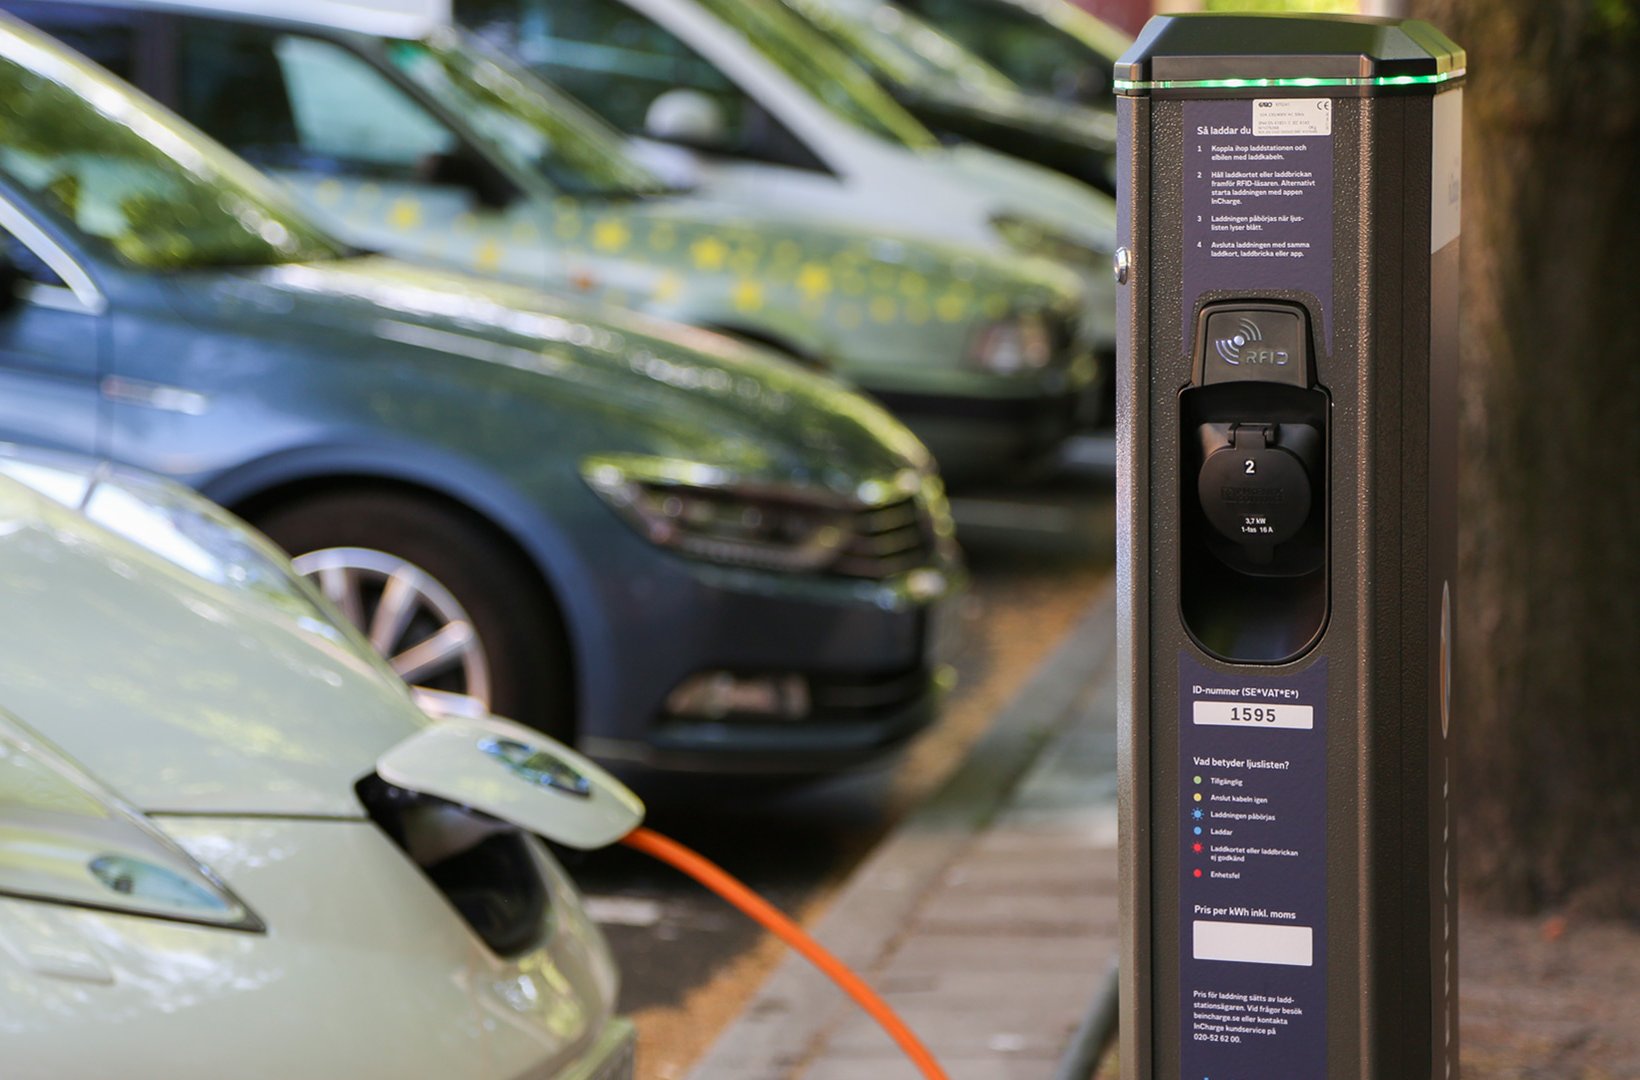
<point x="450" y="570"/>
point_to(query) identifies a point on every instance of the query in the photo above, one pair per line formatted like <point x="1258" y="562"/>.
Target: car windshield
<point x="537" y="127"/>
<point x="1046" y="46"/>
<point x="904" y="49"/>
<point x="821" y="69"/>
<point x="115" y="168"/>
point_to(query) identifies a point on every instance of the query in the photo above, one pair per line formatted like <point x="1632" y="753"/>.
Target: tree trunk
<point x="1547" y="695"/>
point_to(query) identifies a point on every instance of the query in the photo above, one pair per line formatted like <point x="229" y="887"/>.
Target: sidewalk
<point x="987" y="919"/>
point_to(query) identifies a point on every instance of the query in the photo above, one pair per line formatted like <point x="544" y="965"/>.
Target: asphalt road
<point x="688" y="961"/>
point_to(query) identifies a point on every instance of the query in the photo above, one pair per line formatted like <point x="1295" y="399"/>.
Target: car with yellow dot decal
<point x="435" y="148"/>
<point x="752" y="103"/>
<point x="651" y="539"/>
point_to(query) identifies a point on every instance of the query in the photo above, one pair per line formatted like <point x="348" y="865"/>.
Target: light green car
<point x="434" y="148"/>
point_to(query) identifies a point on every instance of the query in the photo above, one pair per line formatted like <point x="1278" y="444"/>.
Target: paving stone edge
<point x="796" y="1007"/>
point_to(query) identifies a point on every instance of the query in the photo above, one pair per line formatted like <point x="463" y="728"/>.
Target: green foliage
<point x="105" y="163"/>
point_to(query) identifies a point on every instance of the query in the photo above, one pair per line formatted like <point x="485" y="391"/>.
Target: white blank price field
<point x="1253" y="943"/>
<point x="1237" y="714"/>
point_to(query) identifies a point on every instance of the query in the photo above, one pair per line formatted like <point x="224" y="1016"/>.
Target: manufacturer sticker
<point x="1292" y="116"/>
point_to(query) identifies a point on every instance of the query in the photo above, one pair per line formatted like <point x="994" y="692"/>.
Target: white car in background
<point x="756" y="106"/>
<point x="232" y="845"/>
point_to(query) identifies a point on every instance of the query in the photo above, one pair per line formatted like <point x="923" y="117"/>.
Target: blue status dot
<point x="1197" y="814"/>
<point x="1198" y="830"/>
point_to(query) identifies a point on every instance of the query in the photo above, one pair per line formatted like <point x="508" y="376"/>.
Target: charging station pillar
<point x="1287" y="487"/>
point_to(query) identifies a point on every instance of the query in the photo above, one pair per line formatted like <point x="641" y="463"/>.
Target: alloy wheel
<point x="408" y="616"/>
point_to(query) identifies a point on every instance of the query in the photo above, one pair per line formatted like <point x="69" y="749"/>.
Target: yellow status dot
<point x="709" y="253"/>
<point x="404" y="214"/>
<point x="814" y="280"/>
<point x="748" y="296"/>
<point x="668" y="286"/>
<point x="1198" y="796"/>
<point x="884" y="309"/>
<point x="611" y="234"/>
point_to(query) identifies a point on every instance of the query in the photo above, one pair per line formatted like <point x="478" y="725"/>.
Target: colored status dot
<point x="1196" y="846"/>
<point x="1197" y="779"/>
<point x="1196" y="813"/>
<point x="1198" y="873"/>
<point x="1198" y="830"/>
<point x="1198" y="796"/>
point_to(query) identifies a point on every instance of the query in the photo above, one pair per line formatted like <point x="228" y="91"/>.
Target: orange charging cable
<point x="759" y="910"/>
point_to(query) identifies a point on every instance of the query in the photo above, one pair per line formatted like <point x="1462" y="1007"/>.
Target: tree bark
<point x="1547" y="694"/>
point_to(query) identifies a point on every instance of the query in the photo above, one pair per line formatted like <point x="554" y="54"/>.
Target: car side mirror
<point x="688" y="117"/>
<point x="463" y="169"/>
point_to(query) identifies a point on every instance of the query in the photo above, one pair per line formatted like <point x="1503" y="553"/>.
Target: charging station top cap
<point x="1274" y="54"/>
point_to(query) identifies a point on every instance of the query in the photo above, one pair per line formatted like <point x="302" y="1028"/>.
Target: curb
<point x="797" y="1007"/>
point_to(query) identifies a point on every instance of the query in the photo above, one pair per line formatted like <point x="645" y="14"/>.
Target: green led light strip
<point x="1124" y="85"/>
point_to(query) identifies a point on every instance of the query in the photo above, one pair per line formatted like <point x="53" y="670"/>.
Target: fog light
<point x="719" y="695"/>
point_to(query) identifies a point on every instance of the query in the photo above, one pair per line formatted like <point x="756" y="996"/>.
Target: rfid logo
<point x="1242" y="347"/>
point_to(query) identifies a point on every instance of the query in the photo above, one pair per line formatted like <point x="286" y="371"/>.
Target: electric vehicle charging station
<point x="1287" y="486"/>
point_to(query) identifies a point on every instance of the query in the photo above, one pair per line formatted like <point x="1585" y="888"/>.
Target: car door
<point x="51" y="332"/>
<point x="353" y="145"/>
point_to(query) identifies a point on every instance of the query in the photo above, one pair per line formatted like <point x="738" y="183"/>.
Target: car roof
<point x="377" y="18"/>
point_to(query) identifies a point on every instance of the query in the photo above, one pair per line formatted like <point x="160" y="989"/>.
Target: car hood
<point x="182" y="694"/>
<point x="1021" y="189"/>
<point x="668" y="388"/>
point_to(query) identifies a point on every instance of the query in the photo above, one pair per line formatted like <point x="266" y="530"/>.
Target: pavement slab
<point x="987" y="919"/>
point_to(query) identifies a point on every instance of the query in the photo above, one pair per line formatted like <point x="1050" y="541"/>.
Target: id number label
<point x="1237" y="714"/>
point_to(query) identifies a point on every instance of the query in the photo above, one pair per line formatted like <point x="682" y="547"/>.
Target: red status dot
<point x="1198" y="873"/>
<point x="1196" y="846"/>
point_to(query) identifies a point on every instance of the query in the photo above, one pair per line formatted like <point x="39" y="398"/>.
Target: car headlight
<point x="702" y="512"/>
<point x="64" y="839"/>
<point x="1018" y="344"/>
<point x="1028" y="236"/>
<point x="880" y="530"/>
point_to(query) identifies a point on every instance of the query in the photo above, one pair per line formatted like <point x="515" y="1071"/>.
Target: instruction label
<point x="1258" y="196"/>
<point x="1253" y="873"/>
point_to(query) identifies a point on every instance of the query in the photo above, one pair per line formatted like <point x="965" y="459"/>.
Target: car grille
<point x="858" y="697"/>
<point x="887" y="540"/>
